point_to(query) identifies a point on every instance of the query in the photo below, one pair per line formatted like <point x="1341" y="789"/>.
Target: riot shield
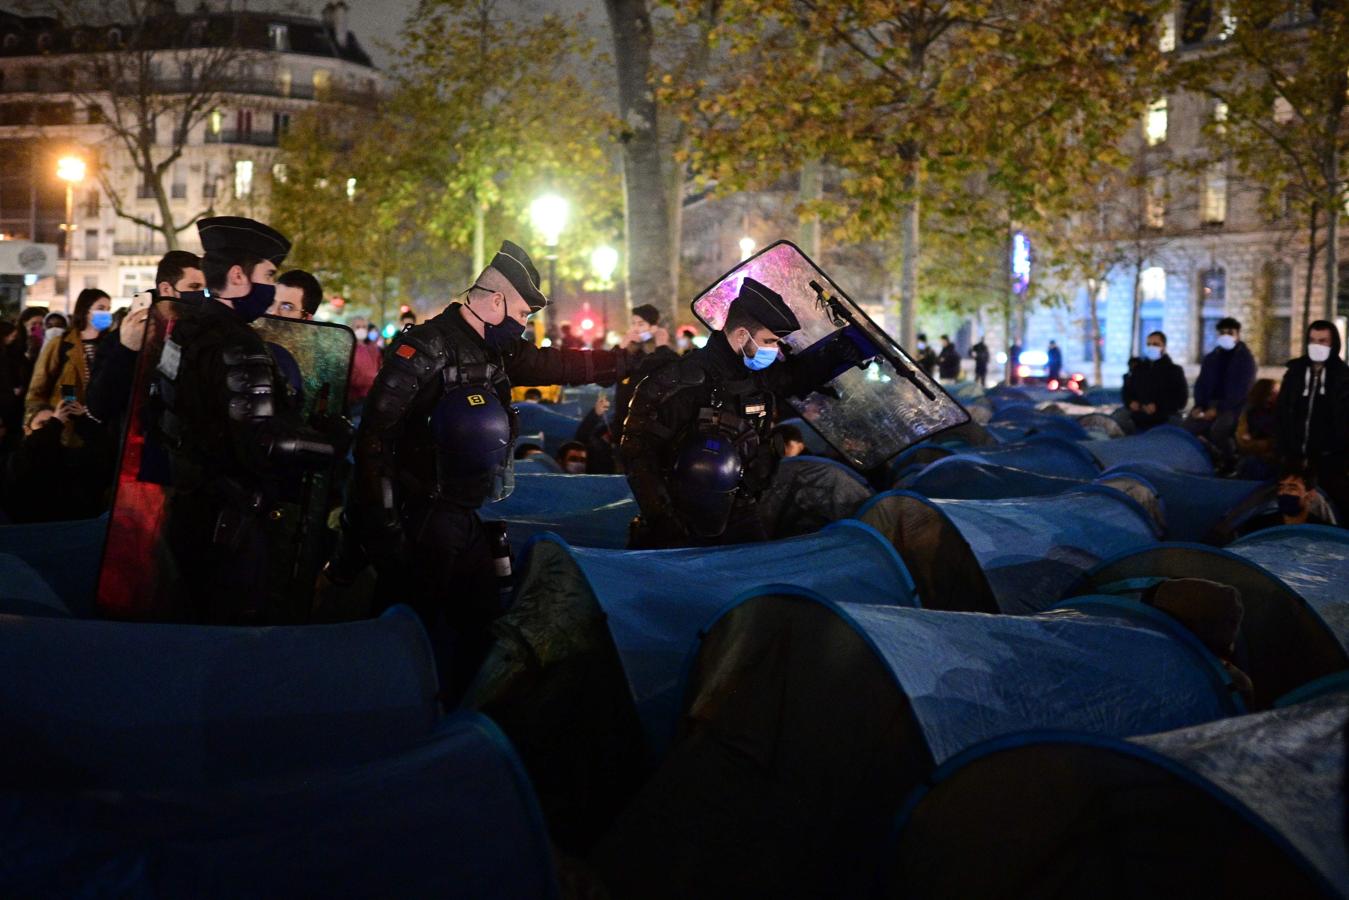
<point x="137" y="578"/>
<point x="867" y="415"/>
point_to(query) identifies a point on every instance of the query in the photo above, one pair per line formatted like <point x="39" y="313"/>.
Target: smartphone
<point x="141" y="301"/>
<point x="67" y="393"/>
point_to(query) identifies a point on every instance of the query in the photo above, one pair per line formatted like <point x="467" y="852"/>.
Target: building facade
<point x="54" y="101"/>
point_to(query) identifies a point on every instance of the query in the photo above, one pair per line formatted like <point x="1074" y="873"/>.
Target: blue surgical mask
<point x="256" y="302"/>
<point x="645" y="336"/>
<point x="100" y="319"/>
<point x="1152" y="353"/>
<point x="763" y="357"/>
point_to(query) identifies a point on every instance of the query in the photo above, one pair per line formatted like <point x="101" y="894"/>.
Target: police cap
<point x="235" y="233"/>
<point x="513" y="262"/>
<point x="766" y="306"/>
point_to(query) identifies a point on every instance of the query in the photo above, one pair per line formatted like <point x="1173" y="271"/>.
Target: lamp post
<point x="549" y="215"/>
<point x="603" y="262"/>
<point x="69" y="169"/>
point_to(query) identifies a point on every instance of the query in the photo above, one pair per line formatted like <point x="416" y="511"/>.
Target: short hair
<point x="173" y="264"/>
<point x="533" y="394"/>
<point x="789" y="433"/>
<point x="217" y="264"/>
<point x="647" y="313"/>
<point x="523" y="450"/>
<point x="32" y="312"/>
<point x="947" y="337"/>
<point x="737" y="317"/>
<point x="1228" y="324"/>
<point x="308" y="284"/>
<point x="568" y="447"/>
<point x="408" y="314"/>
<point x="1160" y="334"/>
<point x="1299" y="469"/>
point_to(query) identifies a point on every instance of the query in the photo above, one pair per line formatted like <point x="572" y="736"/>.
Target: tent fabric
<point x="809" y="492"/>
<point x="1283" y="643"/>
<point x="545" y="419"/>
<point x="451" y="816"/>
<point x="1165" y="445"/>
<point x="1194" y="504"/>
<point x="1338" y="683"/>
<point x="65" y="554"/>
<point x="962" y="478"/>
<point x="1044" y="454"/>
<point x="1312" y="560"/>
<point x="586" y="510"/>
<point x="1038" y="421"/>
<point x="23" y="592"/>
<point x="119" y="705"/>
<point x="806" y="722"/>
<point x="1243" y="807"/>
<point x="1028" y="550"/>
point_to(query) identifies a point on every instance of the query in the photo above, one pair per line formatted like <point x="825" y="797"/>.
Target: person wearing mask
<point x="221" y="410"/>
<point x="534" y="395"/>
<point x="1013" y="377"/>
<point x="1258" y="431"/>
<point x="48" y="479"/>
<point x="298" y="295"/>
<point x="31" y="323"/>
<point x="1296" y="502"/>
<point x="435" y="445"/>
<point x="571" y="456"/>
<point x="1155" y="388"/>
<point x="1054" y="361"/>
<point x="926" y="358"/>
<point x="697" y="445"/>
<point x="1313" y="411"/>
<point x="684" y="341"/>
<point x="948" y="361"/>
<point x="53" y="326"/>
<point x="1225" y="380"/>
<point x="648" y="347"/>
<point x="407" y="319"/>
<point x="63" y="366"/>
<point x="366" y="362"/>
<point x="595" y="434"/>
<point x="979" y="353"/>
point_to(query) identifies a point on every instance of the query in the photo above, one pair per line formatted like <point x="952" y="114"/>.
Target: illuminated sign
<point x="1020" y="263"/>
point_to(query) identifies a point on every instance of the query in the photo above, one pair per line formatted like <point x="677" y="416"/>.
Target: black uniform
<point x="1154" y="381"/>
<point x="1313" y="417"/>
<point x="233" y="440"/>
<point x="669" y="406"/>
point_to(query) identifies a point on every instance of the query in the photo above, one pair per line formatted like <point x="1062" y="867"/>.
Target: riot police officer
<point x="436" y="441"/>
<point x="220" y="409"/>
<point x="697" y="443"/>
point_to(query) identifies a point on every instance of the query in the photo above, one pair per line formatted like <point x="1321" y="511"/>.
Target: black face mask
<point x="255" y="303"/>
<point x="192" y="296"/>
<point x="499" y="337"/>
<point x="1290" y="504"/>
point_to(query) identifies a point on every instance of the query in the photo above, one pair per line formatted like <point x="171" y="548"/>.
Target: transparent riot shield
<point x="137" y="578"/>
<point x="867" y="415"/>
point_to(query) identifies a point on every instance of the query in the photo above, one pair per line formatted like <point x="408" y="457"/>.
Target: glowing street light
<point x="549" y="215"/>
<point x="70" y="169"/>
<point x="603" y="262"/>
<point x="747" y="246"/>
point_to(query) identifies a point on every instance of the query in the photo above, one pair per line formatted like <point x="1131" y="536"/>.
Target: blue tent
<point x="65" y="554"/>
<point x="587" y="510"/>
<point x="1032" y="420"/>
<point x="1312" y="560"/>
<point x="1013" y="555"/>
<point x="806" y="723"/>
<point x="119" y="705"/>
<point x="23" y="592"/>
<point x="1252" y="806"/>
<point x="1102" y="396"/>
<point x="1194" y="503"/>
<point x="451" y="815"/>
<point x="1165" y="445"/>
<point x="1044" y="454"/>
<point x="1284" y="642"/>
<point x="544" y="418"/>
<point x="960" y="477"/>
<point x="584" y="676"/>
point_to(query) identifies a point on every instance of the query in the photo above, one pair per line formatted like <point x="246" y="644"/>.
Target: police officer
<point x="435" y="443"/>
<point x="697" y="443"/>
<point x="220" y="409"/>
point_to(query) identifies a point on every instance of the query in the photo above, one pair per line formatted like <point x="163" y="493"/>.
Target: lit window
<point x="1154" y="215"/>
<point x="1154" y="127"/>
<point x="1154" y="284"/>
<point x="1214" y="202"/>
<point x="1283" y="111"/>
<point x="1220" y="118"/>
<point x="351" y="188"/>
<point x="278" y="35"/>
<point x="279" y="173"/>
<point x="1167" y="41"/>
<point x="323" y="82"/>
<point x="243" y="178"/>
<point x="283" y="80"/>
<point x="216" y="121"/>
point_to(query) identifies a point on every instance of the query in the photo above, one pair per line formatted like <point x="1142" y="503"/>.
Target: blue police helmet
<point x="472" y="431"/>
<point x="706" y="475"/>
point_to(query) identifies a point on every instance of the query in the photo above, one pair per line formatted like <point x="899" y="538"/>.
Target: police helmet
<point x="706" y="475"/>
<point x="472" y="431"/>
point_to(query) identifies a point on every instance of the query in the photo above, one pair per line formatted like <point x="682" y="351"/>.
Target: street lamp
<point x="603" y="262"/>
<point x="747" y="246"/>
<point x="69" y="169"/>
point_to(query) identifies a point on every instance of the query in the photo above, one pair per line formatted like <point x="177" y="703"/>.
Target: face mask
<point x="1152" y="353"/>
<point x="682" y="343"/>
<point x="499" y="337"/>
<point x="763" y="357"/>
<point x="922" y="345"/>
<point x="53" y="333"/>
<point x="1290" y="504"/>
<point x="574" y="467"/>
<point x="1318" y="352"/>
<point x="645" y="336"/>
<point x="256" y="302"/>
<point x="361" y="334"/>
<point x="100" y="319"/>
<point x="194" y="296"/>
<point x="1227" y="341"/>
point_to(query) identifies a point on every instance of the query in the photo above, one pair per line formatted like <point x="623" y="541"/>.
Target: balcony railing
<point x="133" y="248"/>
<point x="67" y="82"/>
<point x="252" y="138"/>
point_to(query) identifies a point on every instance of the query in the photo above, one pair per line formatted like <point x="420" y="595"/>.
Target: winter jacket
<point x="1225" y="378"/>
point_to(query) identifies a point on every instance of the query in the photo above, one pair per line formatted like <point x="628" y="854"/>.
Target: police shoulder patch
<point x="406" y="350"/>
